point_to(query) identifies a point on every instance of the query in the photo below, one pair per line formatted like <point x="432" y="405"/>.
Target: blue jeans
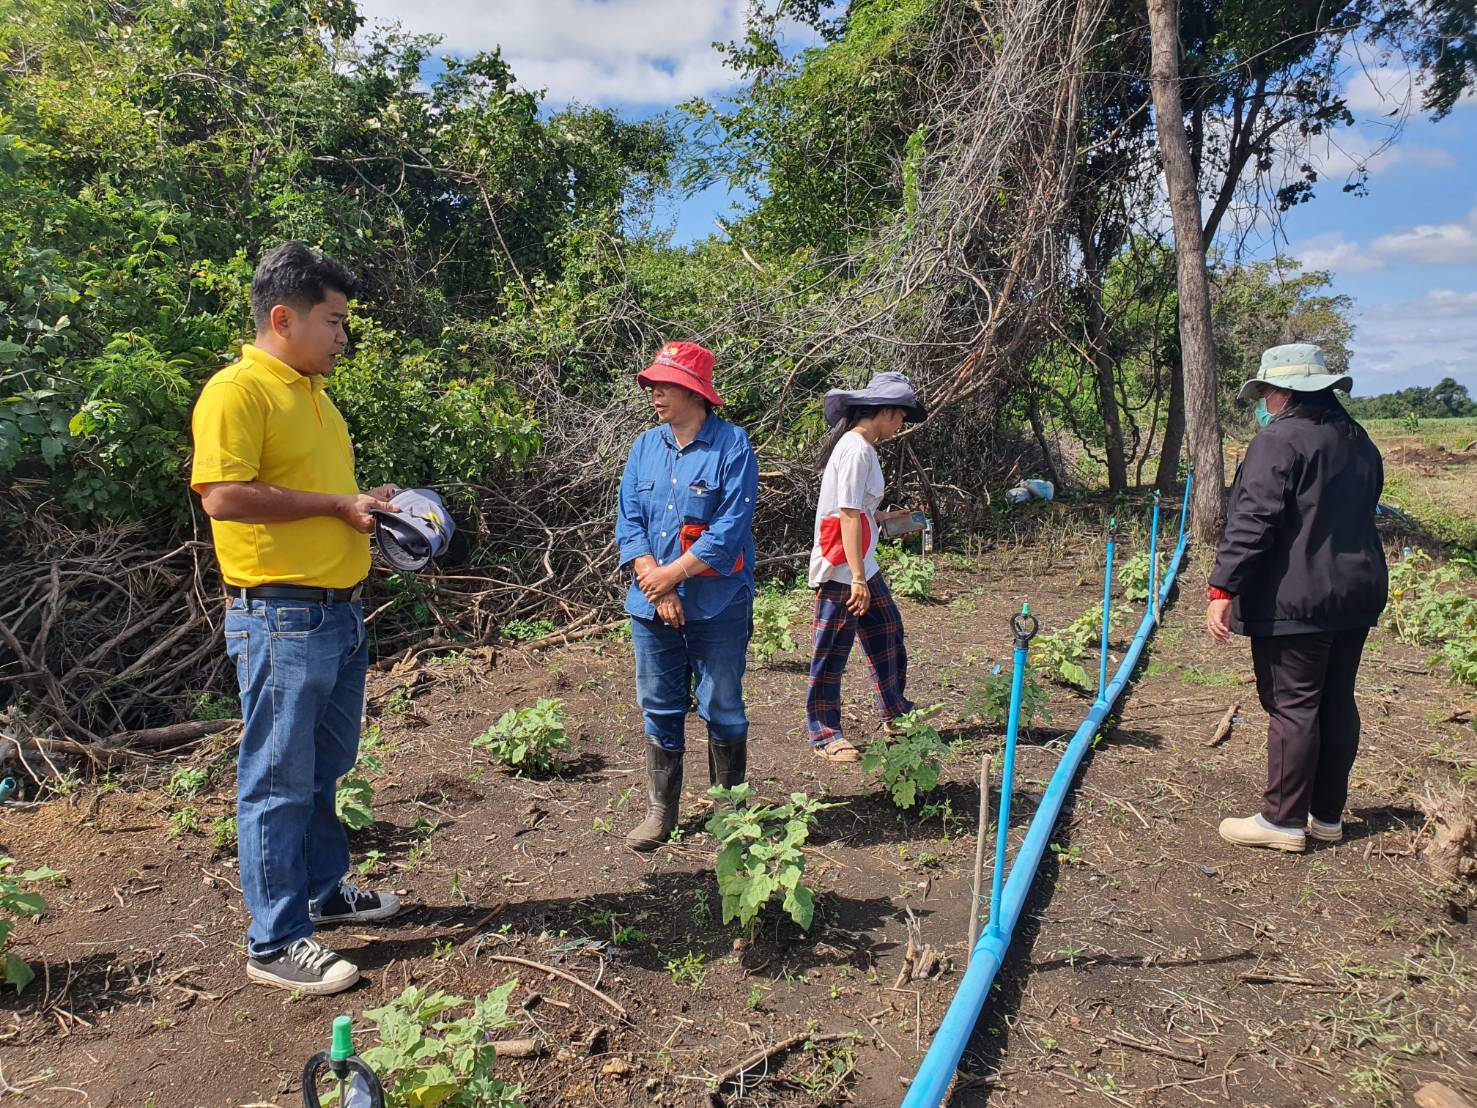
<point x="710" y="652"/>
<point x="301" y="667"/>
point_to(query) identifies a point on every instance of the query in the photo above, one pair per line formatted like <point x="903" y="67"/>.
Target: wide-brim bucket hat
<point x="1298" y="366"/>
<point x="889" y="389"/>
<point x="686" y="364"/>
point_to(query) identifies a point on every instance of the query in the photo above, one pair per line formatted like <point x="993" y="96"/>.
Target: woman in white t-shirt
<point x="852" y="598"/>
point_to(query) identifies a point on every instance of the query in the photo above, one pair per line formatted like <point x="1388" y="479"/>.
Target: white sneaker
<point x="1256" y="831"/>
<point x="1326" y="832"/>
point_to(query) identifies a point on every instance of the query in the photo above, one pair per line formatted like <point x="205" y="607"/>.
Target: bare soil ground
<point x="1156" y="965"/>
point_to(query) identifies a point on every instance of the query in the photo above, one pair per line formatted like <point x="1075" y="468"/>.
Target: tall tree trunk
<point x="1207" y="507"/>
<point x="1174" y="432"/>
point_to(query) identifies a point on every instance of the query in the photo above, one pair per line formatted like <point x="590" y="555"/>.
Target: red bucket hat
<point x="686" y="364"/>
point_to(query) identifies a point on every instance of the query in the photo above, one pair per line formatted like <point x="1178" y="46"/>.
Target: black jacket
<point x="1301" y="553"/>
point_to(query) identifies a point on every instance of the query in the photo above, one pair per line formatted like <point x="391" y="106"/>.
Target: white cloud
<point x="1434" y="244"/>
<point x="1336" y="254"/>
<point x="1436" y="304"/>
<point x="1452" y="243"/>
<point x="648" y="52"/>
<point x="1417" y="342"/>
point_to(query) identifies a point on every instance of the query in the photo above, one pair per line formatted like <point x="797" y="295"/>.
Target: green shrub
<point x="1428" y="608"/>
<point x="910" y="761"/>
<point x="424" y="1057"/>
<point x="761" y="855"/>
<point x="773" y="612"/>
<point x="16" y="901"/>
<point x="912" y="576"/>
<point x="991" y="700"/>
<point x="527" y="740"/>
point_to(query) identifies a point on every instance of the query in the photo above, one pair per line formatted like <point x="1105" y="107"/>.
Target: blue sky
<point x="1406" y="252"/>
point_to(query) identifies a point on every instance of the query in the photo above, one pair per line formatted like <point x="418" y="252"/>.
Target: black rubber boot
<point x="663" y="792"/>
<point x="728" y="765"/>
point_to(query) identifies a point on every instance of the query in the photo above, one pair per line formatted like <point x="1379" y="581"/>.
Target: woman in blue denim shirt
<point x="685" y="526"/>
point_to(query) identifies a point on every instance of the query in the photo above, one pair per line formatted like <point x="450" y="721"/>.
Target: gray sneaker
<point x="306" y="967"/>
<point x="351" y="904"/>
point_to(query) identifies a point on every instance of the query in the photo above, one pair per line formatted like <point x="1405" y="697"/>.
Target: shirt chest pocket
<point x="699" y="502"/>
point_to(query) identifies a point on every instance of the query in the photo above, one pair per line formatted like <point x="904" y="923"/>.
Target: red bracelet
<point x="1215" y="593"/>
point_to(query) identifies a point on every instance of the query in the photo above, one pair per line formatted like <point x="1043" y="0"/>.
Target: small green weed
<point x="912" y="576"/>
<point x="186" y="782"/>
<point x="526" y="630"/>
<point x="773" y="612"/>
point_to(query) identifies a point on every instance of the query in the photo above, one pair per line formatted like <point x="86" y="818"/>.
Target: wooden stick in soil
<point x="571" y="978"/>
<point x="735" y="1072"/>
<point x="979" y="853"/>
<point x="1223" y="728"/>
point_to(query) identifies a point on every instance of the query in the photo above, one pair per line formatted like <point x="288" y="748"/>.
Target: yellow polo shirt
<point x="262" y="420"/>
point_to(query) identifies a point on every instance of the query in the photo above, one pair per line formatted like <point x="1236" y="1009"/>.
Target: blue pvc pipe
<point x="1102" y="661"/>
<point x="1185" y="504"/>
<point x="1007" y="780"/>
<point x="936" y="1072"/>
<point x="1154" y="552"/>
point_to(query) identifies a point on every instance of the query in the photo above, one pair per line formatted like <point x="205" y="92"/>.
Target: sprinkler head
<point x="343" y="1039"/>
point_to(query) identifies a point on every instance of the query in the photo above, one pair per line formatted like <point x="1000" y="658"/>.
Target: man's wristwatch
<point x="1216" y="593"/>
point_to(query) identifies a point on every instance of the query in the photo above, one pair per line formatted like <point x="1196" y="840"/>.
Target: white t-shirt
<point x="853" y="479"/>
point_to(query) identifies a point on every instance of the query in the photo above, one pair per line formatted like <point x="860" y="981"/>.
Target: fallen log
<point x="174" y="734"/>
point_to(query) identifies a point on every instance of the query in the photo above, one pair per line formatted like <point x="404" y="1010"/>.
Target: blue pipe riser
<point x="936" y="1072"/>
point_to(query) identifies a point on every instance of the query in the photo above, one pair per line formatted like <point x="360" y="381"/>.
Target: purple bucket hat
<point x="886" y="390"/>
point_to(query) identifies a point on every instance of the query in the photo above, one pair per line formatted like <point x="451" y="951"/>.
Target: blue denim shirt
<point x="712" y="481"/>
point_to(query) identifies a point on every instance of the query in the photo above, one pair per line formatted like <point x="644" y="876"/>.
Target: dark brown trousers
<point x="1306" y="684"/>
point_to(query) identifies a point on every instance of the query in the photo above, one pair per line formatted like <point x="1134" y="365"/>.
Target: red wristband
<point x="1215" y="593"/>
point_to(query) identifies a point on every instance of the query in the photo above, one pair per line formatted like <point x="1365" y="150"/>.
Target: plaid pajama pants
<point x="881" y="632"/>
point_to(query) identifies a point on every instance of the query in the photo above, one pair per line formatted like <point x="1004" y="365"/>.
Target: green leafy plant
<point x="1060" y="654"/>
<point x="208" y="705"/>
<point x="426" y="1057"/>
<point x="773" y="612"/>
<point x="912" y="576"/>
<point x="1427" y="607"/>
<point x="527" y="740"/>
<point x="354" y="799"/>
<point x="1133" y="577"/>
<point x="526" y="630"/>
<point x="910" y="761"/>
<point x="223" y="834"/>
<point x="991" y="700"/>
<point x="761" y="855"/>
<point x="184" y="821"/>
<point x="688" y="969"/>
<point x="186" y="782"/>
<point x="18" y="902"/>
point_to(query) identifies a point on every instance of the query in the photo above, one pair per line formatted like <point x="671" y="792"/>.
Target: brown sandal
<point x="838" y="750"/>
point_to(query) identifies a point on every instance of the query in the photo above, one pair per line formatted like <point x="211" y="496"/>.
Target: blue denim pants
<point x="708" y="653"/>
<point x="301" y="667"/>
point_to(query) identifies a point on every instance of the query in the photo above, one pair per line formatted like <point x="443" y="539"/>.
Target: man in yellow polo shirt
<point x="274" y="468"/>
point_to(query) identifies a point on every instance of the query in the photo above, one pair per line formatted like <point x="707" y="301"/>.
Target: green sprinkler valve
<point x="358" y="1087"/>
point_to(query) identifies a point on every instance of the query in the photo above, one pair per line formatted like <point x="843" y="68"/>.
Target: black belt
<point x="295" y="592"/>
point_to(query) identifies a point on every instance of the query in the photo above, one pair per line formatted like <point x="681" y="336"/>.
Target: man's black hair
<point x="299" y="276"/>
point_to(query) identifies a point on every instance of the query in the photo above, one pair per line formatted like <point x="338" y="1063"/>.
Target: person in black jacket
<point x="1301" y="571"/>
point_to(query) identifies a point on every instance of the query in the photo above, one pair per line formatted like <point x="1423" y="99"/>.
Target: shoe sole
<point x="372" y="916"/>
<point x="1269" y="844"/>
<point x="321" y="988"/>
<point x="1317" y="837"/>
